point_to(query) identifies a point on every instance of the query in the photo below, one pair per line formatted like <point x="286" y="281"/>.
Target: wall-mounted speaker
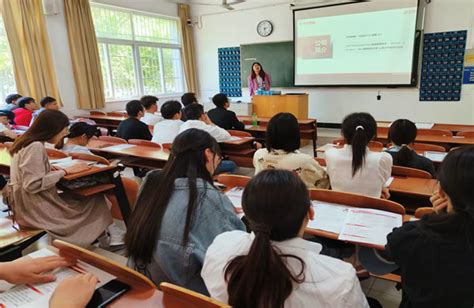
<point x="51" y="7"/>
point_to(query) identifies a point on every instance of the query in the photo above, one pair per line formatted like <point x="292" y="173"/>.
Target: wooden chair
<point x="188" y="298"/>
<point x="428" y="147"/>
<point x="232" y="180"/>
<point x="239" y="133"/>
<point x="321" y="161"/>
<point x="90" y="157"/>
<point x="467" y="134"/>
<point x="117" y="114"/>
<point x="167" y="146"/>
<point x="13" y="241"/>
<point x="111" y="139"/>
<point x="434" y="132"/>
<point x="372" y="144"/>
<point x="410" y="172"/>
<point x="422" y="211"/>
<point x="55" y="154"/>
<point x="144" y="143"/>
<point x="355" y="200"/>
<point x="97" y="113"/>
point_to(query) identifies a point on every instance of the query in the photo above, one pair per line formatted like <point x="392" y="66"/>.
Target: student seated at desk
<point x="24" y="112"/>
<point x="187" y="99"/>
<point x="178" y="214"/>
<point x="436" y="254"/>
<point x="197" y="118"/>
<point x="11" y="101"/>
<point x="282" y="152"/>
<point x="32" y="188"/>
<point x="133" y="128"/>
<point x="46" y="102"/>
<point x="80" y="134"/>
<point x="150" y="103"/>
<point x="355" y="168"/>
<point x="274" y="266"/>
<point x="223" y="117"/>
<point x="166" y="130"/>
<point x="402" y="134"/>
<point x="6" y="132"/>
<point x="71" y="292"/>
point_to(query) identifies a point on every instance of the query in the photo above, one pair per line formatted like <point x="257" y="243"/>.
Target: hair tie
<point x="404" y="145"/>
<point x="359" y="127"/>
<point x="261" y="228"/>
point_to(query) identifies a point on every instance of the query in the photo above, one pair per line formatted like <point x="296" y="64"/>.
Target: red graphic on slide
<point x="315" y="47"/>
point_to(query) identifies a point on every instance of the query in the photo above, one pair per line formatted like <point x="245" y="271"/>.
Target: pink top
<point x="23" y="116"/>
<point x="253" y="85"/>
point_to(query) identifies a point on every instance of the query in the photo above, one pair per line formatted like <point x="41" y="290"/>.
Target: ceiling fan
<point x="226" y="4"/>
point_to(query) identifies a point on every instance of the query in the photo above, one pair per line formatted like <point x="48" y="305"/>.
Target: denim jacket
<point x="178" y="264"/>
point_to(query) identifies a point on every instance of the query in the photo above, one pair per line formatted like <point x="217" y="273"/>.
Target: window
<point x="139" y="53"/>
<point x="7" y="79"/>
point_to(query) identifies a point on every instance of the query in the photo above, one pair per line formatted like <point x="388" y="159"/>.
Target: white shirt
<point x="307" y="168"/>
<point x="220" y="134"/>
<point x="329" y="282"/>
<point x="166" y="130"/>
<point x="75" y="148"/>
<point x="151" y="118"/>
<point x="369" y="179"/>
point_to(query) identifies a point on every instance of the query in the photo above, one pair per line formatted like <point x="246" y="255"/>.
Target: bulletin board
<point x="229" y="71"/>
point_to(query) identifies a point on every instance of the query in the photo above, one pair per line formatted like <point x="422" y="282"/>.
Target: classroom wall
<point x="219" y="28"/>
<point x="57" y="31"/>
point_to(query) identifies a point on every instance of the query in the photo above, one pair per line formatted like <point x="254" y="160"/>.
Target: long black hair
<point x="456" y="178"/>
<point x="275" y="202"/>
<point x="187" y="160"/>
<point x="402" y="133"/>
<point x="47" y="125"/>
<point x="283" y="133"/>
<point x="261" y="74"/>
<point x="358" y="130"/>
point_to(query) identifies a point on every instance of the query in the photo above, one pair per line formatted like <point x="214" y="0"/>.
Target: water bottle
<point x="254" y="119"/>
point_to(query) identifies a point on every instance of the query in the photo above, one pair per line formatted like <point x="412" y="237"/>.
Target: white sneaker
<point x="116" y="235"/>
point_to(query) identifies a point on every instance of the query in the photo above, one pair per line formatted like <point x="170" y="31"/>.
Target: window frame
<point x="139" y="82"/>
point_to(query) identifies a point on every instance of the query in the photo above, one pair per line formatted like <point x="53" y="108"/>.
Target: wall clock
<point x="264" y="28"/>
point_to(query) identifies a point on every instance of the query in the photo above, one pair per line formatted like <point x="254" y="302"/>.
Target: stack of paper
<point x="424" y="125"/>
<point x="435" y="156"/>
<point x="38" y="295"/>
<point x="360" y="225"/>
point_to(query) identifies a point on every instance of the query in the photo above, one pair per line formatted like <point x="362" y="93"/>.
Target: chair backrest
<point x="428" y="147"/>
<point x="97" y="112"/>
<point x="356" y="200"/>
<point x="434" y="132"/>
<point x="239" y="133"/>
<point x="53" y="153"/>
<point x="232" y="180"/>
<point x="188" y="298"/>
<point x="122" y="272"/>
<point x="117" y="114"/>
<point x="167" y="146"/>
<point x="321" y="161"/>
<point x="373" y="145"/>
<point x="144" y="143"/>
<point x="467" y="134"/>
<point x="112" y="139"/>
<point x="410" y="172"/>
<point x="89" y="157"/>
<point x="422" y="211"/>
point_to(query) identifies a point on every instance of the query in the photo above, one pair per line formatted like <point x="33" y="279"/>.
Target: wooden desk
<point x="109" y="122"/>
<point x="449" y="140"/>
<point x="454" y="128"/>
<point x="13" y="241"/>
<point x="416" y="187"/>
<point x="270" y="105"/>
<point x="308" y="129"/>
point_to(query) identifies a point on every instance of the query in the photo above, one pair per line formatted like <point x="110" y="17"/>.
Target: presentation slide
<point x="368" y="43"/>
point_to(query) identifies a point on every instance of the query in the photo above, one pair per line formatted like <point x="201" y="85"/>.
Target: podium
<point x="269" y="105"/>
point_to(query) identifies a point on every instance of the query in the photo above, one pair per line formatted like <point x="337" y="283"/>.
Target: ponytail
<point x="403" y="156"/>
<point x="358" y="129"/>
<point x="261" y="278"/>
<point x="402" y="132"/>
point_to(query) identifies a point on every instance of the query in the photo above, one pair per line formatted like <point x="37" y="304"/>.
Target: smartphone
<point x="107" y="293"/>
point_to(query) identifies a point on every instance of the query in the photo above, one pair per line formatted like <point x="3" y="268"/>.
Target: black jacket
<point x="133" y="128"/>
<point x="417" y="162"/>
<point x="436" y="259"/>
<point x="225" y="119"/>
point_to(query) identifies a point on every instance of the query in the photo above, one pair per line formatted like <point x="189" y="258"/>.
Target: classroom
<point x="237" y="153"/>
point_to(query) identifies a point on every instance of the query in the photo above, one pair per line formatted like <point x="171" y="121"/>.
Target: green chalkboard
<point x="276" y="59"/>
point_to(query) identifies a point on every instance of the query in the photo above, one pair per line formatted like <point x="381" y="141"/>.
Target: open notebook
<point x="37" y="295"/>
<point x="359" y="225"/>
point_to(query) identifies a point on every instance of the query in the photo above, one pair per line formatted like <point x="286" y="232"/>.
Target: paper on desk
<point x="389" y="182"/>
<point x="326" y="147"/>
<point x="38" y="295"/>
<point x="60" y="160"/>
<point x="328" y="216"/>
<point x="119" y="147"/>
<point x="248" y="126"/>
<point x="435" y="156"/>
<point x="369" y="226"/>
<point x="233" y="138"/>
<point x="235" y="196"/>
<point x="67" y="162"/>
<point x="424" y="125"/>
